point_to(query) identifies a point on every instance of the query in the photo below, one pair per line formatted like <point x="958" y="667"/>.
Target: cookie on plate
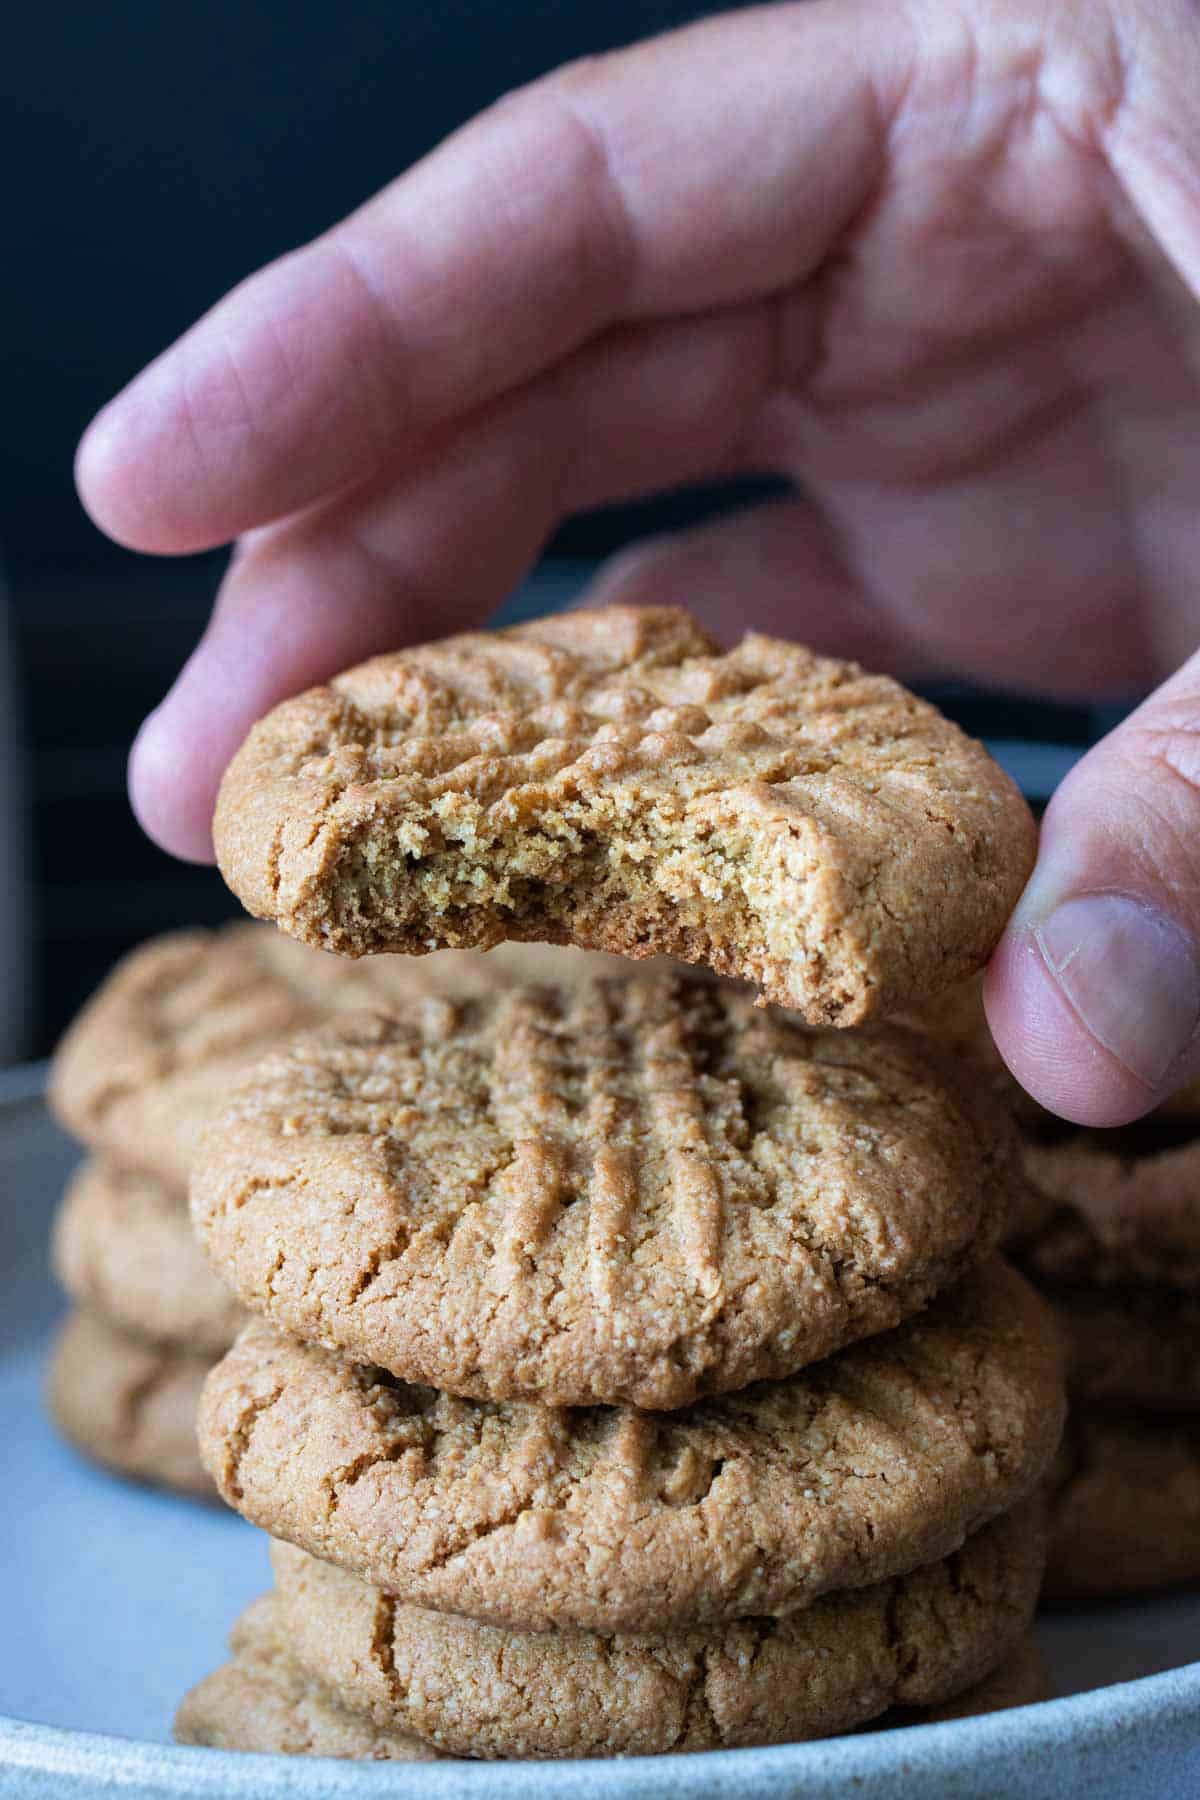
<point x="636" y="1191"/>
<point x="1125" y="1511"/>
<point x="612" y="779"/>
<point x="877" y="1460"/>
<point x="1022" y="1679"/>
<point x="262" y="1700"/>
<point x="153" y="1054"/>
<point x="124" y="1247"/>
<point x="129" y="1404"/>
<point x="1132" y="1348"/>
<point x="1112" y="1217"/>
<point x="479" y="1690"/>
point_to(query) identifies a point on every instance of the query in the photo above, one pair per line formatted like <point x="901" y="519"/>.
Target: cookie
<point x="264" y="1701"/>
<point x="1125" y="1513"/>
<point x="635" y="1191"/>
<point x="610" y="778"/>
<point x="1021" y="1679"/>
<point x="1108" y="1218"/>
<point x="129" y="1404"/>
<point x="152" y="1056"/>
<point x="124" y="1247"/>
<point x="956" y="1018"/>
<point x="1137" y="1347"/>
<point x="869" y="1464"/>
<point x="479" y="1690"/>
<point x="1183" y="1106"/>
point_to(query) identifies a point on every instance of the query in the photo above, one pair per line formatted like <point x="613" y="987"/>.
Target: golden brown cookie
<point x="956" y="1018"/>
<point x="479" y="1690"/>
<point x="1021" y="1679"/>
<point x="129" y="1404"/>
<point x="868" y="1464"/>
<point x="262" y="1700"/>
<point x="1112" y="1236"/>
<point x="124" y="1247"/>
<point x="642" y="1190"/>
<point x="609" y="778"/>
<point x="153" y="1055"/>
<point x="1133" y="1347"/>
<point x="1109" y="1218"/>
<point x="1125" y="1513"/>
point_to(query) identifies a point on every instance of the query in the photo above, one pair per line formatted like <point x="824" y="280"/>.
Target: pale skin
<point x="937" y="262"/>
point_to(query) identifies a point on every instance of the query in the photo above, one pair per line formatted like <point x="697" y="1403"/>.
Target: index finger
<point x="696" y="171"/>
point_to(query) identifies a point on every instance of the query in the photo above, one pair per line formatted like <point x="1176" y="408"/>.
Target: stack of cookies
<point x="1110" y="1234"/>
<point x="631" y="1368"/>
<point x="140" y="1074"/>
<point x="1114" y="1241"/>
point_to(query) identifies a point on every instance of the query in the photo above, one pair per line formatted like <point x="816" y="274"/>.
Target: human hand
<point x="914" y="256"/>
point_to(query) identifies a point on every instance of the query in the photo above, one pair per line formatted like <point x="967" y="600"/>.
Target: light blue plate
<point x="115" y="1600"/>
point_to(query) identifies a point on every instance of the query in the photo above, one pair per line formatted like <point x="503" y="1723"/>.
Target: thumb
<point x="1094" y="993"/>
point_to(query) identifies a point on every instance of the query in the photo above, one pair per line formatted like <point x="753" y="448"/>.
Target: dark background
<point x="155" y="154"/>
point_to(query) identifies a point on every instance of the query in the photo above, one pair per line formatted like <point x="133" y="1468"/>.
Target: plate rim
<point x="1165" y="1707"/>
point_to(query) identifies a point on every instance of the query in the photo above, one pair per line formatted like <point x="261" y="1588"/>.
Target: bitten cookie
<point x="1125" y="1513"/>
<point x="870" y="1463"/>
<point x="154" y="1053"/>
<point x="478" y="1690"/>
<point x="124" y="1247"/>
<point x="129" y="1404"/>
<point x="609" y="778"/>
<point x="262" y="1700"/>
<point x="642" y="1190"/>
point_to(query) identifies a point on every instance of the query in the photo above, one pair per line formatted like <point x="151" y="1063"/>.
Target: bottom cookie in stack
<point x="330" y="1666"/>
<point x="152" y="1320"/>
<point x="787" y="1562"/>
<point x="263" y="1700"/>
<point x="1114" y="1241"/>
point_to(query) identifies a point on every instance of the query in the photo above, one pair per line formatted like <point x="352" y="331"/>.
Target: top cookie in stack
<point x="486" y="1233"/>
<point x="611" y="779"/>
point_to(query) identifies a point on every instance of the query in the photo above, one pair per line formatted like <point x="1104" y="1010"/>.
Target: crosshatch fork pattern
<point x="641" y="1190"/>
<point x="157" y="1049"/>
<point x="612" y="779"/>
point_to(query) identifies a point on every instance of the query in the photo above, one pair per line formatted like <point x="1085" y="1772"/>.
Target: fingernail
<point x="1131" y="974"/>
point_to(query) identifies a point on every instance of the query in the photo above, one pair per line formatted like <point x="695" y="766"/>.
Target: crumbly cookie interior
<point x="588" y="872"/>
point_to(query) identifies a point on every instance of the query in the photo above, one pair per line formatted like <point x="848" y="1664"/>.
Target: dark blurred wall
<point x="154" y="154"/>
<point x="158" y="152"/>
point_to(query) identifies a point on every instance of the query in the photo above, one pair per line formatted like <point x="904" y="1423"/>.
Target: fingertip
<point x="137" y="474"/>
<point x="172" y="798"/>
<point x="1046" y="1045"/>
<point x="100" y="475"/>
